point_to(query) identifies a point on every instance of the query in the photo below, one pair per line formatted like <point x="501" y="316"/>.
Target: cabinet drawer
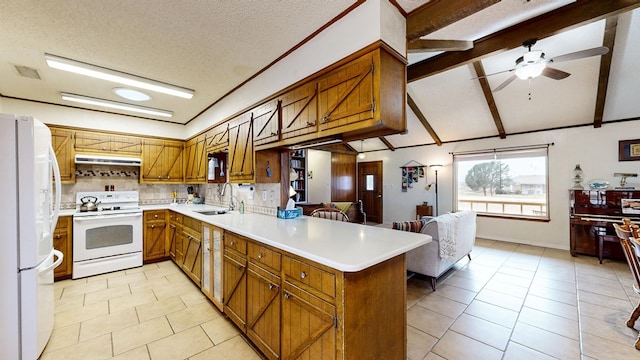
<point x="175" y="217"/>
<point x="154" y="215"/>
<point x="309" y="277"/>
<point x="193" y="224"/>
<point x="265" y="256"/>
<point x="235" y="242"/>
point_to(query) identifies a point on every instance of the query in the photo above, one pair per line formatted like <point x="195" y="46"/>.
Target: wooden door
<point x="162" y="161"/>
<point x="125" y="145"/>
<point x="263" y="310"/>
<point x="346" y="95"/>
<point x="154" y="235"/>
<point x="87" y="141"/>
<point x="62" y="143"/>
<point x="343" y="177"/>
<point x="241" y="151"/>
<point x="235" y="288"/>
<point x="370" y="190"/>
<point x="217" y="138"/>
<point x="196" y="160"/>
<point x="308" y="326"/>
<point x="192" y="263"/>
<point x="299" y="111"/>
<point x="266" y="123"/>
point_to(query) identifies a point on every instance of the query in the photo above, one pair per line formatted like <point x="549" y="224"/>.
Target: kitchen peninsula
<point x="305" y="286"/>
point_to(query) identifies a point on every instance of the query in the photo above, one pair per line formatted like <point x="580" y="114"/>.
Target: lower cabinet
<point x="154" y="235"/>
<point x="175" y="237"/>
<point x="212" y="263"/>
<point x="62" y="241"/>
<point x="235" y="279"/>
<point x="192" y="245"/>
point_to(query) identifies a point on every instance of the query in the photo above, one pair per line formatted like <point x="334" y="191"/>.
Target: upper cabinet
<point x="241" y="164"/>
<point x="365" y="96"/>
<point x="162" y="161"/>
<point x="195" y="159"/>
<point x="62" y="142"/>
<point x="266" y="123"/>
<point x="299" y="111"/>
<point x="96" y="142"/>
<point x="217" y="138"/>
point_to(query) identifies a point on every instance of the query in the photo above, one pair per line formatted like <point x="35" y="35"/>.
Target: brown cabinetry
<point x="62" y="141"/>
<point x="96" y="142"/>
<point x="174" y="236"/>
<point x="235" y="279"/>
<point x="192" y="244"/>
<point x="155" y="235"/>
<point x="241" y="149"/>
<point x="62" y="241"/>
<point x="162" y="161"/>
<point x="195" y="159"/>
<point x="212" y="238"/>
<point x="217" y="138"/>
<point x="423" y="210"/>
<point x="299" y="111"/>
<point x="266" y="123"/>
<point x="268" y="166"/>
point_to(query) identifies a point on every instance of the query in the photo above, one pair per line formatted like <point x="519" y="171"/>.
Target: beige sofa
<point x="453" y="238"/>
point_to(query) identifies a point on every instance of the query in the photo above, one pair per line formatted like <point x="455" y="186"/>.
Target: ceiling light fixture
<point x="530" y="65"/>
<point x="115" y="105"/>
<point x="361" y="155"/>
<point x="98" y="72"/>
<point x="131" y="94"/>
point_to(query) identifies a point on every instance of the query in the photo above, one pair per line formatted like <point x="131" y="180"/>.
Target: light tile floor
<point x="510" y="302"/>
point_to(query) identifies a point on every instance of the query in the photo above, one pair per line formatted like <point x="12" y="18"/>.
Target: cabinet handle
<point x="286" y="295"/>
<point x="153" y="226"/>
<point x="240" y="267"/>
<point x="233" y="244"/>
<point x="260" y="255"/>
<point x="58" y="236"/>
<point x="155" y="216"/>
<point x="310" y="124"/>
<point x="303" y="275"/>
<point x="271" y="286"/>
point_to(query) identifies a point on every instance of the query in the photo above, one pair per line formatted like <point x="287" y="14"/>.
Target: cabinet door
<point x="125" y="145"/>
<point x="196" y="160"/>
<point x="235" y="288"/>
<point x="212" y="264"/>
<point x="263" y="310"/>
<point x="308" y="325"/>
<point x="241" y="151"/>
<point x="173" y="237"/>
<point x="192" y="263"/>
<point x="345" y="95"/>
<point x="266" y="123"/>
<point x="154" y="235"/>
<point x="87" y="141"/>
<point x="299" y="111"/>
<point x="217" y="138"/>
<point x="162" y="161"/>
<point x="62" y="241"/>
<point x="62" y="142"/>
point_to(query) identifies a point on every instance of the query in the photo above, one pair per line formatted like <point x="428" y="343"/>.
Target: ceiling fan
<point x="533" y="63"/>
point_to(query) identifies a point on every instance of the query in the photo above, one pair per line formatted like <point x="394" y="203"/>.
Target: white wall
<point x="369" y="22"/>
<point x="67" y="116"/>
<point x="319" y="188"/>
<point x="596" y="150"/>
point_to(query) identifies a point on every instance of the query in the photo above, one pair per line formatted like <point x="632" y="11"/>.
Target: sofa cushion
<point x="412" y="226"/>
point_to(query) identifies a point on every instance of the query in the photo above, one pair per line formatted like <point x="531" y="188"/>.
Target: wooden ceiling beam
<point x="437" y="14"/>
<point x="423" y="45"/>
<point x="416" y="110"/>
<point x="488" y="95"/>
<point x="605" y="68"/>
<point x="387" y="143"/>
<point x="570" y="16"/>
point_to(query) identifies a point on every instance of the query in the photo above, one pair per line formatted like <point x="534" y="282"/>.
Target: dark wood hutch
<point x="592" y="215"/>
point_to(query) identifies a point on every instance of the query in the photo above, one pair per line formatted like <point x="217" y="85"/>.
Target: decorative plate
<point x="598" y="184"/>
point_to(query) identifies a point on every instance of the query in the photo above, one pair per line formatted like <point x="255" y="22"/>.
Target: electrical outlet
<point x="264" y="195"/>
<point x="272" y="195"/>
<point x="250" y="195"/>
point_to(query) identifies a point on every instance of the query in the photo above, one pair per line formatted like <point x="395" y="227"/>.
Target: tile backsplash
<point x="96" y="177"/>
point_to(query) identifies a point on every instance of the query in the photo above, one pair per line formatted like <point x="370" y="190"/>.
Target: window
<point x="509" y="182"/>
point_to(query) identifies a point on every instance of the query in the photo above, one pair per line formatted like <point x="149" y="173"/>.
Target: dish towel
<point x="447" y="234"/>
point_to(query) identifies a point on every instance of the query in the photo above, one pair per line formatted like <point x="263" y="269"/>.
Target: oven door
<point x="106" y="235"/>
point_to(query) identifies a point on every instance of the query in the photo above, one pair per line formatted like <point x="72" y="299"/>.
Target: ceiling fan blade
<point x="424" y="45"/>
<point x="505" y="83"/>
<point x="581" y="54"/>
<point x="554" y="74"/>
<point x="495" y="73"/>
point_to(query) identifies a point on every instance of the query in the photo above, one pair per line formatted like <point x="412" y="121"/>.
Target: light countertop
<point x="343" y="246"/>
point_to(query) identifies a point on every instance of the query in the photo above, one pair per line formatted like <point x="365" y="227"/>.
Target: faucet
<point x="231" y="206"/>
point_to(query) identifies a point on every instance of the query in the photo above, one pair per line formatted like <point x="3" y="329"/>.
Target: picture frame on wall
<point x="629" y="150"/>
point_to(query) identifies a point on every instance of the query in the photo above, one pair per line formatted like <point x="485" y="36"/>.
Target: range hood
<point x="107" y="160"/>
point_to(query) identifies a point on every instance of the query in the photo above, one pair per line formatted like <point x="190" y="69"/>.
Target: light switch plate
<point x="264" y="195"/>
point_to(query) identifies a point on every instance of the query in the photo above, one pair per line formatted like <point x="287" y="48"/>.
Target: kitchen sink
<point x="212" y="212"/>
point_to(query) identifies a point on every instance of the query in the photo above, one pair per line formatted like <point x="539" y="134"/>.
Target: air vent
<point x="28" y="72"/>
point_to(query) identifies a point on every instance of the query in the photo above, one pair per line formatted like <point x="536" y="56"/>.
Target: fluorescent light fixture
<point x="115" y="105"/>
<point x="98" y="72"/>
<point x="314" y="144"/>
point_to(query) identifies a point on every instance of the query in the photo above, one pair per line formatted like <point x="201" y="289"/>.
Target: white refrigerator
<point x="28" y="218"/>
